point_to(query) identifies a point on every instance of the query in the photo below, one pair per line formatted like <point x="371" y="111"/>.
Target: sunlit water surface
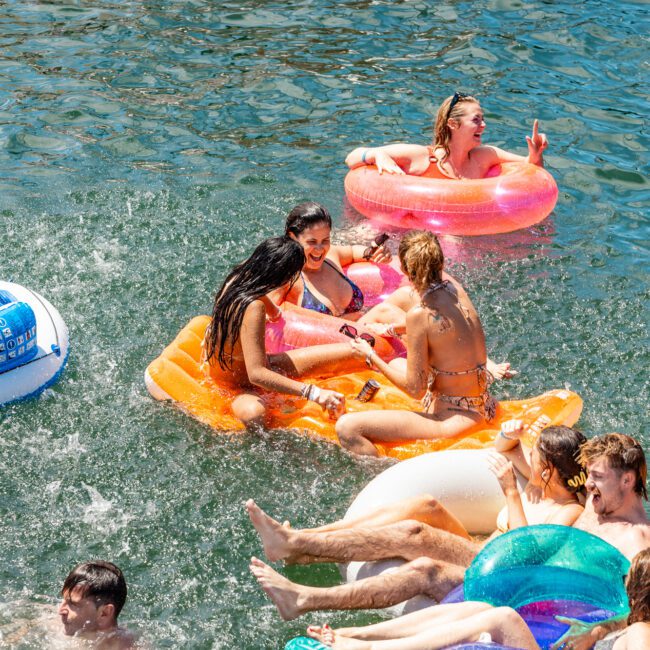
<point x="147" y="146"/>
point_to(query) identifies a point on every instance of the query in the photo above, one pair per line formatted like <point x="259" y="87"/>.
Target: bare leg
<point x="422" y="576"/>
<point x="423" y="508"/>
<point x="504" y="625"/>
<point x="358" y="431"/>
<point x="331" y="358"/>
<point x="405" y="539"/>
<point x="250" y="409"/>
<point x="410" y="624"/>
<point x="386" y="313"/>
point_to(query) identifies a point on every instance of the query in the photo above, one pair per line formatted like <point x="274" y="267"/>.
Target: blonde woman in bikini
<point x="457" y="151"/>
<point x="446" y="364"/>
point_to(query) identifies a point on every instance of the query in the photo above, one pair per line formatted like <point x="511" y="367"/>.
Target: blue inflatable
<point x="305" y="643"/>
<point x="547" y="571"/>
<point x="33" y="343"/>
<point x="546" y="563"/>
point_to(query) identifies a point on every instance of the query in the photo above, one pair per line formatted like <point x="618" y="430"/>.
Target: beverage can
<point x="369" y="390"/>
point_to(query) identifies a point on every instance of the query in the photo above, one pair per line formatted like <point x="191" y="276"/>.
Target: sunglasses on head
<point x="454" y="100"/>
<point x="353" y="333"/>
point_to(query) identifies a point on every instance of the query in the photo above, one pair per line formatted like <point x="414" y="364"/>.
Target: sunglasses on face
<point x="352" y="332"/>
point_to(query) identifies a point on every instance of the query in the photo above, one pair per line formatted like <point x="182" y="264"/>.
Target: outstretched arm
<point x="537" y="143"/>
<point x="391" y="158"/>
<point x="260" y="374"/>
<point x="355" y="253"/>
<point x="582" y="635"/>
<point x="414" y="381"/>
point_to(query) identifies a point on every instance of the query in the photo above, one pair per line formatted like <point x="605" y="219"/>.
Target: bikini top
<point x="433" y="170"/>
<point x="310" y="301"/>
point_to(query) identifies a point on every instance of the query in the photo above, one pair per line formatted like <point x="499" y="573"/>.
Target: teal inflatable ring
<point x="545" y="563"/>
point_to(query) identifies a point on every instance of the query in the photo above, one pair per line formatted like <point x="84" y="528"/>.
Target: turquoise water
<point x="147" y="146"/>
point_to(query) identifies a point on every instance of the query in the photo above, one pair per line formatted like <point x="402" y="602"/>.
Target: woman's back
<point x="456" y="341"/>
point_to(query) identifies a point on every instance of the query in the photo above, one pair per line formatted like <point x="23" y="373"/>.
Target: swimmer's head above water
<point x="557" y="450"/>
<point x="310" y="224"/>
<point x="93" y="596"/>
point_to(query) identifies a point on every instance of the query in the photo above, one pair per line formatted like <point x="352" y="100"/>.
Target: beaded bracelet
<point x="310" y="392"/>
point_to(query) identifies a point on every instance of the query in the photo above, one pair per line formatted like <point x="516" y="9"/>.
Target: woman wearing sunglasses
<point x="457" y="151"/>
<point x="234" y="341"/>
<point x="446" y="361"/>
<point x="321" y="285"/>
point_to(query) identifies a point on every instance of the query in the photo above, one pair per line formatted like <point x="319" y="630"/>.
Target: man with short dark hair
<point x="93" y="596"/>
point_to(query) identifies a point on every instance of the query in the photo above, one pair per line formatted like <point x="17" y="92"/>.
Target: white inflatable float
<point x="34" y="343"/>
<point x="460" y="479"/>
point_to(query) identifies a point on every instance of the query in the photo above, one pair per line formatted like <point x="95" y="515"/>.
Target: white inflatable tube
<point x="460" y="479"/>
<point x="29" y="379"/>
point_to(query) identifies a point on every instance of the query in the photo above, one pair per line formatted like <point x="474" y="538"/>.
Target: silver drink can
<point x="368" y="391"/>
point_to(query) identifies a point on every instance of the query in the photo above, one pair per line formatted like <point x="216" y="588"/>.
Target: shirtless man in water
<point x="616" y="479"/>
<point x="93" y="596"/>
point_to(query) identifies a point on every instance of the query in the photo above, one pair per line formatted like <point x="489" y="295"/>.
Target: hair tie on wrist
<point x="504" y="435"/>
<point x="363" y="156"/>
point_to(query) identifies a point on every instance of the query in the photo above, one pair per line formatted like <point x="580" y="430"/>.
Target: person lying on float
<point x="434" y="544"/>
<point x="468" y="622"/>
<point x="457" y="151"/>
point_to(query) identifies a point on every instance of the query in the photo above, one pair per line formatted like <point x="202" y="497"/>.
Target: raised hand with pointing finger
<point x="537" y="142"/>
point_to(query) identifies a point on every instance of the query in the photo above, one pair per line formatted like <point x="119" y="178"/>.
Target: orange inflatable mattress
<point x="179" y="375"/>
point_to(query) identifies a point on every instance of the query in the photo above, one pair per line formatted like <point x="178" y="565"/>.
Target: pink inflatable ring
<point x="513" y="196"/>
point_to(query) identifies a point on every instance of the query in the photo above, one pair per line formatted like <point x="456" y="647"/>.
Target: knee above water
<point x="411" y="527"/>
<point x="251" y="414"/>
<point x="343" y="428"/>
<point x="507" y="617"/>
<point x="425" y="565"/>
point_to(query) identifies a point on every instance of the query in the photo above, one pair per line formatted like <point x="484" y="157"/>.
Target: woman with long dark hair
<point x="234" y="340"/>
<point x="322" y="286"/>
<point x="457" y="151"/>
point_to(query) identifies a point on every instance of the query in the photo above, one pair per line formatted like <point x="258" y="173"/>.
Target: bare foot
<point x="331" y="639"/>
<point x="284" y="593"/>
<point x="273" y="534"/>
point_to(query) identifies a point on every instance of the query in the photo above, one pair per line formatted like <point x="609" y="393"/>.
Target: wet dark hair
<point x="637" y="586"/>
<point x="559" y="447"/>
<point x="274" y="263"/>
<point x="99" y="580"/>
<point x="305" y="216"/>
